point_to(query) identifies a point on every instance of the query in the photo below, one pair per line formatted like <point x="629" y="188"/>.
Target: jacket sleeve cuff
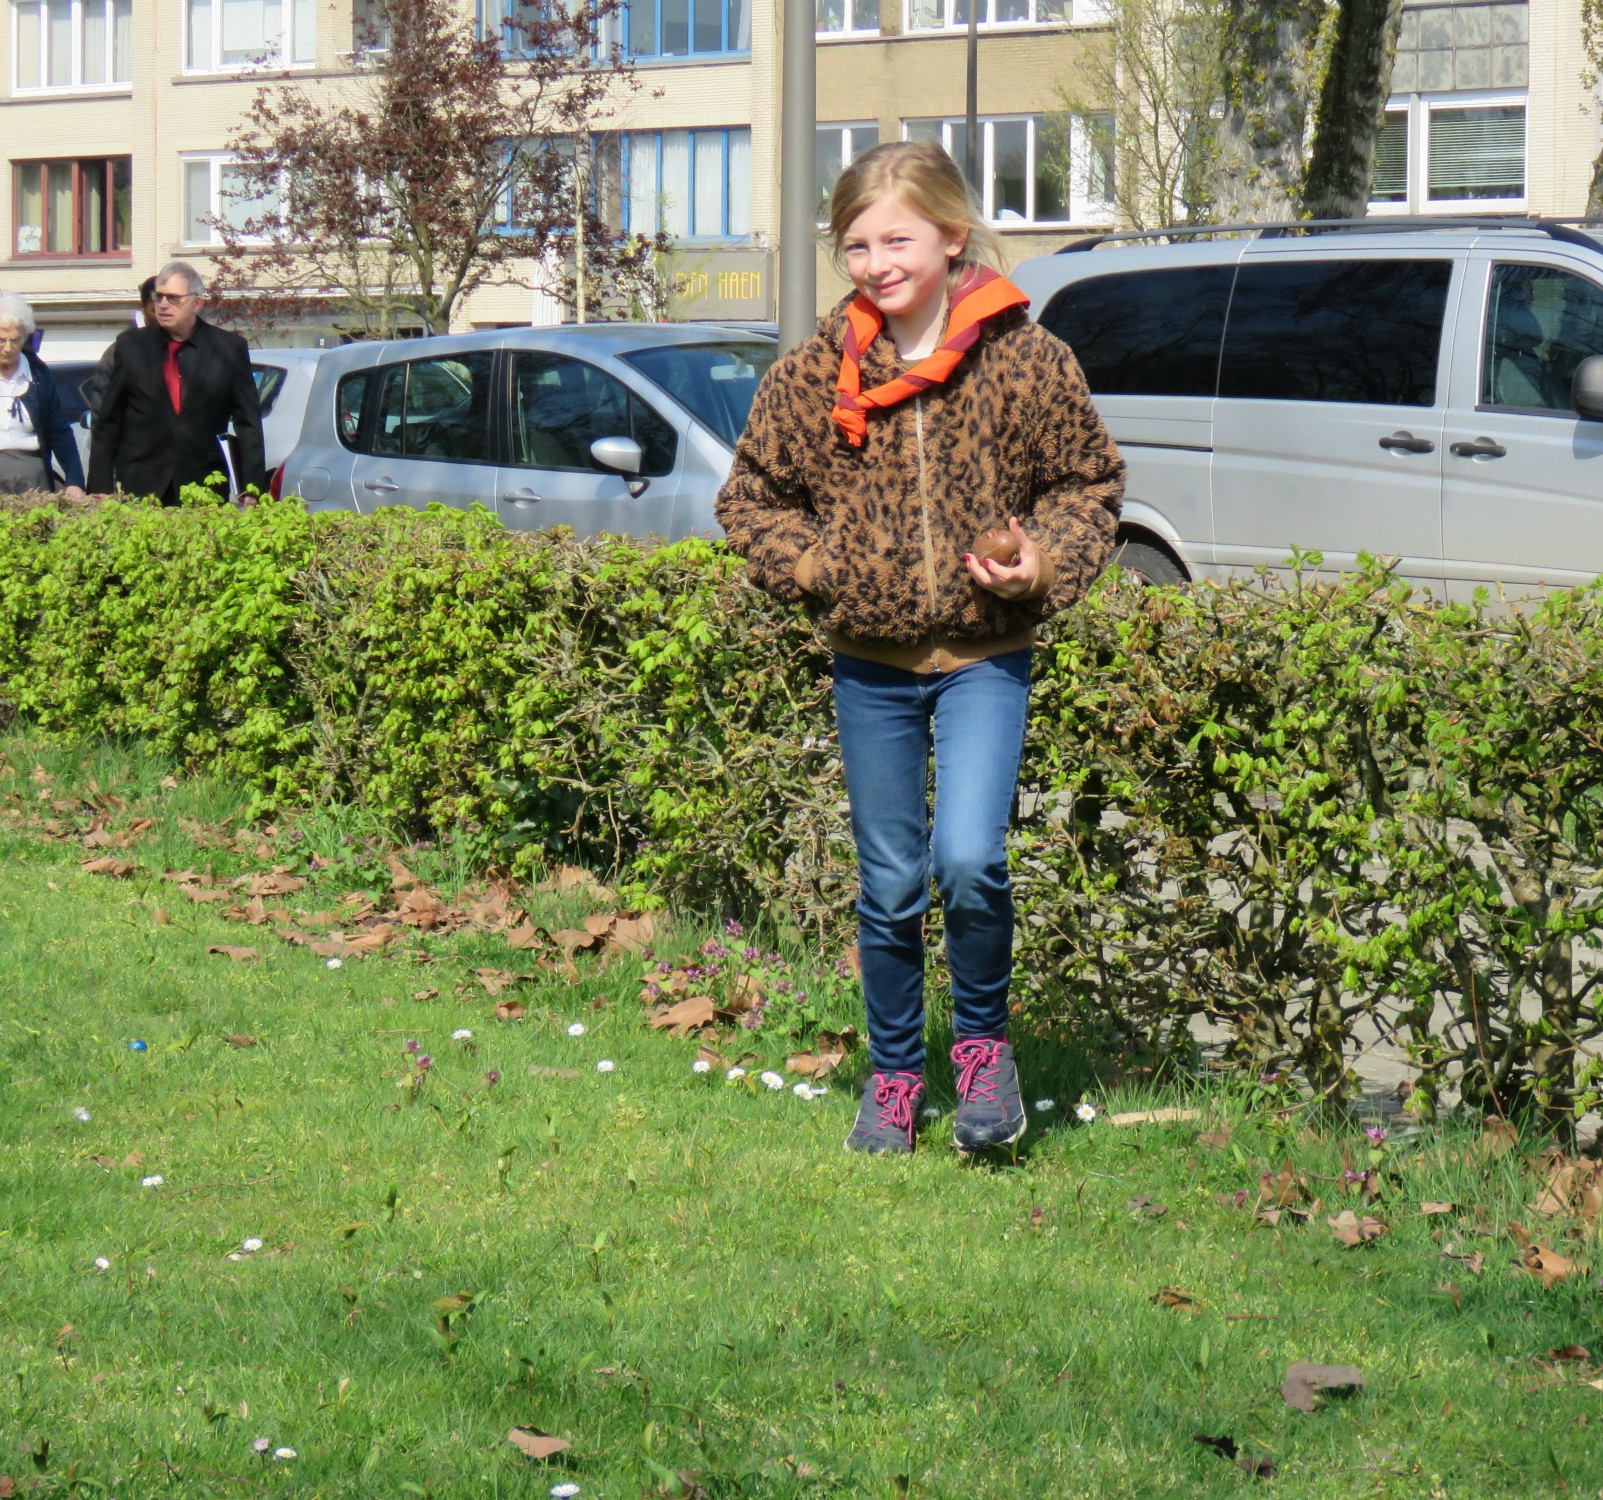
<point x="806" y="570"/>
<point x="1046" y="575"/>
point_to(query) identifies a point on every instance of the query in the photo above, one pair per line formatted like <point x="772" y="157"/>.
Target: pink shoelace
<point x="976" y="1061"/>
<point x="895" y="1095"/>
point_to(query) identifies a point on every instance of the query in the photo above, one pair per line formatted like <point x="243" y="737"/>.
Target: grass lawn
<point x="685" y="1279"/>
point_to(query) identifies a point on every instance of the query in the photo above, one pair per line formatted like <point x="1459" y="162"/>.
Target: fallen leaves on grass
<point x="1474" y="1263"/>
<point x="1181" y="1301"/>
<point x="830" y="1050"/>
<point x="536" y="1444"/>
<point x="239" y="1039"/>
<point x="686" y="1016"/>
<point x="1350" y="1230"/>
<point x="1573" y="1189"/>
<point x="1547" y="1266"/>
<point x="1305" y="1382"/>
<point x="509" y="1010"/>
<point x="109" y="864"/>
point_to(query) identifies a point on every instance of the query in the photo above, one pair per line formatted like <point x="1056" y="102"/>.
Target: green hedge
<point x="1283" y="808"/>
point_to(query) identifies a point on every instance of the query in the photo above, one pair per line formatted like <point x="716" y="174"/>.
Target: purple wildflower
<point x="424" y="1063"/>
<point x="1376" y="1134"/>
<point x="1272" y="1077"/>
<point x="732" y="928"/>
<point x="413" y="1046"/>
<point x="493" y="1077"/>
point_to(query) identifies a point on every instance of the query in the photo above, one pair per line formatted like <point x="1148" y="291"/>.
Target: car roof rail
<point x="1566" y="229"/>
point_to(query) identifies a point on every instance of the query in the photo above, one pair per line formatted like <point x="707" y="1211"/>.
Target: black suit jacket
<point x="139" y="443"/>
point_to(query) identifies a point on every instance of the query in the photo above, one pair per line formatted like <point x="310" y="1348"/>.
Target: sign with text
<point x="723" y="284"/>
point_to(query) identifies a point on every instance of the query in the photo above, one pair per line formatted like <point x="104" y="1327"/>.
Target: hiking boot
<point x="990" y="1112"/>
<point x="886" y="1117"/>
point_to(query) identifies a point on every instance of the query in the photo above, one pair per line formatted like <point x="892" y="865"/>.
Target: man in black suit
<point x="173" y="388"/>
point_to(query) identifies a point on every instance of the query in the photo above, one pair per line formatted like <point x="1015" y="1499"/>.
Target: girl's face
<point x="898" y="259"/>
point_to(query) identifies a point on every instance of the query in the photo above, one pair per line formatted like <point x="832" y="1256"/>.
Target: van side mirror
<point x="623" y="455"/>
<point x="1586" y="390"/>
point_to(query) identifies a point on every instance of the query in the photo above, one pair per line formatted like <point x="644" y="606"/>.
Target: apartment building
<point x="116" y="117"/>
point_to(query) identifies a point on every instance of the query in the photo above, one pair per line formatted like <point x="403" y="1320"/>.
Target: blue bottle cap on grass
<point x="139" y="1047"/>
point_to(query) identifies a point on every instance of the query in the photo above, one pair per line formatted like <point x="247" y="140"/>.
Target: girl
<point x="925" y="412"/>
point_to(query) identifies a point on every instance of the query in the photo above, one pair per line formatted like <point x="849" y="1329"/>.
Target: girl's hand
<point x="1014" y="581"/>
<point x="72" y="492"/>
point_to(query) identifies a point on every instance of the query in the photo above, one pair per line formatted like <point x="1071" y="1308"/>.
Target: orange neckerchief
<point x="981" y="294"/>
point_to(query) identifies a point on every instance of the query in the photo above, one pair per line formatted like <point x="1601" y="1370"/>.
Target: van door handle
<point x="1408" y="443"/>
<point x="523" y="497"/>
<point x="381" y="486"/>
<point x="1479" y="448"/>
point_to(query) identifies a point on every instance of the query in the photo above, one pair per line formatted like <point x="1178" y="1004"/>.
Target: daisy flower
<point x="734" y="1073"/>
<point x="333" y="963"/>
<point x="803" y="1091"/>
<point x="771" y="1079"/>
<point x="154" y="1180"/>
<point x="577" y="1029"/>
<point x="101" y="1263"/>
<point x="461" y="1034"/>
<point x="261" y="1445"/>
<point x="284" y="1455"/>
<point x="932" y="1111"/>
<point x="1084" y="1111"/>
<point x="1043" y="1105"/>
<point x="564" y="1491"/>
<point x="250" y="1246"/>
<point x="606" y="1065"/>
<point x="701" y="1065"/>
<point x="81" y="1115"/>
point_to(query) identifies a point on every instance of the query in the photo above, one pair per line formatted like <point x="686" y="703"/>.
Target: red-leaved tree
<point x="445" y="159"/>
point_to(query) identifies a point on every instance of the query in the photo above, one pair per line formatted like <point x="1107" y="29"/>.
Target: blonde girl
<point x="927" y="475"/>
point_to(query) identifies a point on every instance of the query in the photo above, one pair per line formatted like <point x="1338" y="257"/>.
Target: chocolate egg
<point x="998" y="544"/>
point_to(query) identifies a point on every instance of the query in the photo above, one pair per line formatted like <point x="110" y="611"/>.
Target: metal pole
<point x="971" y="127"/>
<point x="579" y="174"/>
<point x="798" y="271"/>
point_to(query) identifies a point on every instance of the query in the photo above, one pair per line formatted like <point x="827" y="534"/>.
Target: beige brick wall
<point x="1561" y="126"/>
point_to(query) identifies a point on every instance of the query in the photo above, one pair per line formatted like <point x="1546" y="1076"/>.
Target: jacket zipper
<point x="924" y="514"/>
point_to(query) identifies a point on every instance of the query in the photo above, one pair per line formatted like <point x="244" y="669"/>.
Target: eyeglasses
<point x="172" y="296"/>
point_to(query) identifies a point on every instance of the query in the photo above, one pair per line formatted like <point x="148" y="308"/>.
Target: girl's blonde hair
<point x="929" y="182"/>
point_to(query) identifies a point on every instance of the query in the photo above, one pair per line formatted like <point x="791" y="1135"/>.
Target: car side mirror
<point x="624" y="455"/>
<point x="1586" y="390"/>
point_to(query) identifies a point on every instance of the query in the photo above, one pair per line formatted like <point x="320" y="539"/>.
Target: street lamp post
<point x="798" y="271"/>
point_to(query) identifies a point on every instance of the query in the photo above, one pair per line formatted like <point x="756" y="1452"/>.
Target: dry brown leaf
<point x="239" y="955"/>
<point x="573" y="940"/>
<point x="421" y="909"/>
<point x="1305" y="1381"/>
<point x="98" y="838"/>
<point x="1570" y="1352"/>
<point x="508" y="1010"/>
<point x="1451" y="1288"/>
<point x="1435" y="1208"/>
<point x="1498" y="1138"/>
<point x="573" y="879"/>
<point x="526" y="936"/>
<point x="371" y="940"/>
<point x="424" y="994"/>
<point x="335" y="947"/>
<point x="1154" y="1116"/>
<point x="401" y="878"/>
<point x="239" y="1039"/>
<point x="632" y="931"/>
<point x="254" y="911"/>
<point x="1216" y="1140"/>
<point x="495" y="980"/>
<point x="1547" y="1266"/>
<point x="202" y="895"/>
<point x="278" y="883"/>
<point x="687" y="1016"/>
<point x="1282" y="1188"/>
<point x="1474" y="1264"/>
<point x="1146" y="1207"/>
<point x="159" y="917"/>
<point x="108" y="864"/>
<point x="535" y="1443"/>
<point x="832" y="1050"/>
<point x="1348" y="1229"/>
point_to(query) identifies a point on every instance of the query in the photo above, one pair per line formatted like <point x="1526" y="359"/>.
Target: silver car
<point x="283" y="387"/>
<point x="608" y="427"/>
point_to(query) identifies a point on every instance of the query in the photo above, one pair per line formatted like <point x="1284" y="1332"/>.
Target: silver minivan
<point x="1400" y="387"/>
<point x="627" y="428"/>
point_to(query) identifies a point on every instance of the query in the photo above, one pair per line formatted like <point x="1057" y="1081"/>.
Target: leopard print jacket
<point x="1011" y="432"/>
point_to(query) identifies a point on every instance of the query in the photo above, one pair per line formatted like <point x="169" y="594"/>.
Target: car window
<point x="269" y="382"/>
<point x="436" y="408"/>
<point x="562" y="405"/>
<point x="1336" y="330"/>
<point x="1540" y="324"/>
<point x="69" y="389"/>
<point x="350" y="401"/>
<point x="713" y="382"/>
<point x="1145" y="333"/>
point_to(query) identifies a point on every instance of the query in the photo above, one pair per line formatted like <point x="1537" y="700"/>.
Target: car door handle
<point x="1408" y="443"/>
<point x="381" y="486"/>
<point x="1481" y="447"/>
<point x="523" y="497"/>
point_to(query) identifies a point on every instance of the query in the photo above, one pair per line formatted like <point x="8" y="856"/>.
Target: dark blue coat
<point x="54" y="432"/>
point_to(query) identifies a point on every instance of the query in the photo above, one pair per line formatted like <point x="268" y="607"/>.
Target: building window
<point x="837" y="146"/>
<point x="837" y="17"/>
<point x="947" y="15"/>
<point x="226" y="35"/>
<point x="686" y="28"/>
<point x="1452" y="153"/>
<point x="216" y="192"/>
<point x="1033" y="169"/>
<point x="691" y="184"/>
<point x="73" y="208"/>
<point x="73" y="44"/>
<point x="370" y="27"/>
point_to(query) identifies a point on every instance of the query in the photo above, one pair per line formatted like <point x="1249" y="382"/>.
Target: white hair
<point x="183" y="268"/>
<point x="14" y="310"/>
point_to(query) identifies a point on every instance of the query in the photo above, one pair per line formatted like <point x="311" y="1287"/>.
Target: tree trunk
<point x="1352" y="103"/>
<point x="1272" y="50"/>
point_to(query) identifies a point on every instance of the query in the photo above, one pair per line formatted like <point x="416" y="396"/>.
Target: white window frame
<point x="852" y="27"/>
<point x="275" y="60"/>
<point x="1081" y="13"/>
<point x="216" y="161"/>
<point x="628" y="194"/>
<point x="1419" y="108"/>
<point x="77" y="86"/>
<point x="1082" y="208"/>
<point x="846" y="130"/>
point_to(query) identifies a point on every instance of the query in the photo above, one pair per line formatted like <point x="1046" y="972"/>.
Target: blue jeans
<point x="888" y="720"/>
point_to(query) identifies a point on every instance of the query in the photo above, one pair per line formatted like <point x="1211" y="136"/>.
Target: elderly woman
<point x="32" y="428"/>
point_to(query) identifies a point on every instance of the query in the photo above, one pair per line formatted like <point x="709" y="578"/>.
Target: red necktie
<point x="175" y="389"/>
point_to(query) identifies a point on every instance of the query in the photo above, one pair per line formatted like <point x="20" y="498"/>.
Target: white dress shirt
<point x="16" y="426"/>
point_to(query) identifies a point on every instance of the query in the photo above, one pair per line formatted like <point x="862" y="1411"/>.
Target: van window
<point x="1336" y="330"/>
<point x="1541" y="323"/>
<point x="437" y="408"/>
<point x="563" y="405"/>
<point x="350" y="401"/>
<point x="1145" y="333"/>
